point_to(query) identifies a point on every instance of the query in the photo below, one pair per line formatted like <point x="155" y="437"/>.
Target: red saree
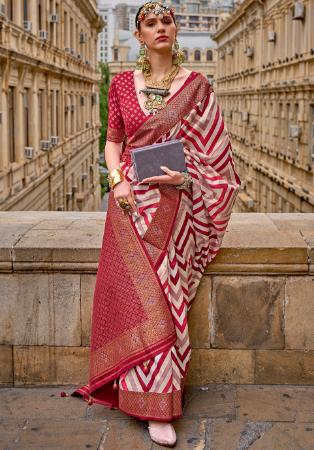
<point x="151" y="262"/>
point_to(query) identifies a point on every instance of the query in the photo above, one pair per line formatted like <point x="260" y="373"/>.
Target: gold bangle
<point x="115" y="176"/>
<point x="187" y="182"/>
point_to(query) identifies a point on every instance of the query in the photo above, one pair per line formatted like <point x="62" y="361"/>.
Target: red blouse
<point x="125" y="112"/>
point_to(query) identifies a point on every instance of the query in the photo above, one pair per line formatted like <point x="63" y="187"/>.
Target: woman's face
<point x="158" y="33"/>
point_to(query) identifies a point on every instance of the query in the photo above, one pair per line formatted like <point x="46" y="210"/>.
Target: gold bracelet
<point x="115" y="176"/>
<point x="187" y="181"/>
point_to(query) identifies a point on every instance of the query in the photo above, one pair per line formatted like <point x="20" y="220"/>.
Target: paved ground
<point x="216" y="417"/>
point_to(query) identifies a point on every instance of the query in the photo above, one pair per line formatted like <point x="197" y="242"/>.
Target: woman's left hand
<point x="171" y="177"/>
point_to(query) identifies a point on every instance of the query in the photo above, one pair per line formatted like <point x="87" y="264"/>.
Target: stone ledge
<point x="251" y="320"/>
<point x="71" y="242"/>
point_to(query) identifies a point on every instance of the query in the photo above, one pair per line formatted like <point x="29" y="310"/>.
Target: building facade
<point x="49" y="108"/>
<point x="265" y="84"/>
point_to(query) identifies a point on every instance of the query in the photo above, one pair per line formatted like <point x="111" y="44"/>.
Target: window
<point x="26" y="117"/>
<point x="57" y="105"/>
<point x="197" y="55"/>
<point x="39" y="15"/>
<point x="71" y="33"/>
<point x="52" y="28"/>
<point x="72" y="114"/>
<point x="10" y="10"/>
<point x="25" y="10"/>
<point x="209" y="55"/>
<point x="116" y="54"/>
<point x="11" y="123"/>
<point x="66" y="30"/>
<point x="186" y="55"/>
<point x="40" y="115"/>
<point x="52" y="115"/>
<point x="66" y="115"/>
<point x="192" y="8"/>
<point x="57" y="26"/>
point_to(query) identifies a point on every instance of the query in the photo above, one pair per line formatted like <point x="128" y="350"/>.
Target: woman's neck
<point x="160" y="64"/>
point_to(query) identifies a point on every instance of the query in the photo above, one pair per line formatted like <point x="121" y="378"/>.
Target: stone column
<point x="32" y="15"/>
<point x="17" y="13"/>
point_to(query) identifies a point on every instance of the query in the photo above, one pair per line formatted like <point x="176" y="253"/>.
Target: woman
<point x="160" y="234"/>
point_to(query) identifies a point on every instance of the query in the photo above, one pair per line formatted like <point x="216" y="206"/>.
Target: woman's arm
<point x="113" y="151"/>
<point x="123" y="189"/>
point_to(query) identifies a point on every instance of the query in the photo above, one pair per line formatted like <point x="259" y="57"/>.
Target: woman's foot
<point x="162" y="433"/>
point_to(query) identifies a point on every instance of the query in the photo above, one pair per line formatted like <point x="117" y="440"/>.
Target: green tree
<point x="103" y="103"/>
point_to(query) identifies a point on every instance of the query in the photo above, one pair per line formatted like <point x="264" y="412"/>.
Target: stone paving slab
<point x="215" y="417"/>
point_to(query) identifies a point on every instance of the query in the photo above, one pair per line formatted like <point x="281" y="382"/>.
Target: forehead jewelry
<point x="156" y="8"/>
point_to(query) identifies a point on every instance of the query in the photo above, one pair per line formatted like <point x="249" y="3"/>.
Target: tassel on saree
<point x="146" y="368"/>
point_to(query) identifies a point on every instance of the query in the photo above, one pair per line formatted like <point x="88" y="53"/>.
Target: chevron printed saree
<point x="152" y="261"/>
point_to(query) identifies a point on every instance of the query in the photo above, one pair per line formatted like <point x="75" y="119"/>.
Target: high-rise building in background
<point x="49" y="108"/>
<point x="118" y="16"/>
<point x="122" y="19"/>
<point x="200" y="15"/>
<point x="106" y="36"/>
<point x="265" y="84"/>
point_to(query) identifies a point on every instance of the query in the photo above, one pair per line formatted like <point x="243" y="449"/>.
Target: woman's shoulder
<point x="121" y="75"/>
<point x="201" y="76"/>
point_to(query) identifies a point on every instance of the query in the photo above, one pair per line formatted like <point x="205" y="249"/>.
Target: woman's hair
<point x="137" y="22"/>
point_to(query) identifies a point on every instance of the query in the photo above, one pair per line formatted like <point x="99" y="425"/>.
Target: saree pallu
<point x="152" y="261"/>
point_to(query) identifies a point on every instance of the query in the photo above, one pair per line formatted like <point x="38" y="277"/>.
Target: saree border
<point x="151" y="405"/>
<point x="155" y="332"/>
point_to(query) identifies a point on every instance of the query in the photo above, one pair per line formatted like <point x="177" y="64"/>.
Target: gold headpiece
<point x="153" y="7"/>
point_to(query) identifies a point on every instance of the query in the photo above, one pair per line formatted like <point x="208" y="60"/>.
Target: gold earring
<point x="177" y="54"/>
<point x="142" y="61"/>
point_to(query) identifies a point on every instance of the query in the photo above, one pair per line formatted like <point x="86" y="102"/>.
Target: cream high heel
<point x="162" y="433"/>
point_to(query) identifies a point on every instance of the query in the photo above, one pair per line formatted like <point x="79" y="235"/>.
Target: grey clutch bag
<point x="147" y="160"/>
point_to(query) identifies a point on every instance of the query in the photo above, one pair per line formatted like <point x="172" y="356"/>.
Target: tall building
<point x="106" y="35"/>
<point x="200" y="15"/>
<point x="49" y="111"/>
<point x="265" y="84"/>
<point x="120" y="16"/>
<point x="122" y="20"/>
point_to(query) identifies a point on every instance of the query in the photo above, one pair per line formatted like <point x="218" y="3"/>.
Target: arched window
<point x="197" y="55"/>
<point x="115" y="54"/>
<point x="209" y="55"/>
<point x="186" y="55"/>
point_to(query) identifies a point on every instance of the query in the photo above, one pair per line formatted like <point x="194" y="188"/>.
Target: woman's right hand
<point x="124" y="191"/>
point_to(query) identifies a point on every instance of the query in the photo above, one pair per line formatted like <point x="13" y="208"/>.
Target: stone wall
<point x="251" y="322"/>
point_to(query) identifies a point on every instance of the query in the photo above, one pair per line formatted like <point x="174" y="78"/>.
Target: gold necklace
<point x="165" y="82"/>
<point x="156" y="90"/>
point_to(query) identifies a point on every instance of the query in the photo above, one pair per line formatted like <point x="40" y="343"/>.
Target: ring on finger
<point x="124" y="204"/>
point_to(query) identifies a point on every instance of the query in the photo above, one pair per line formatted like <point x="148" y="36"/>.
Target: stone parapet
<point x="251" y="321"/>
